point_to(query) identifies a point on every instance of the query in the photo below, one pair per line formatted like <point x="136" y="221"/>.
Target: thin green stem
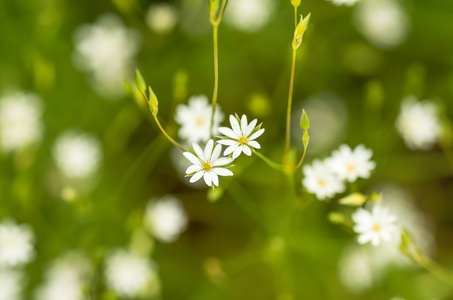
<point x="270" y="162"/>
<point x="301" y="160"/>
<point x="215" y="34"/>
<point x="290" y="102"/>
<point x="439" y="271"/>
<point x="180" y="147"/>
<point x="295" y="16"/>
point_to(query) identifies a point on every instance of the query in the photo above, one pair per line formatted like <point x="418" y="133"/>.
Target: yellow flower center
<point x="321" y="182"/>
<point x="199" y="122"/>
<point x="377" y="227"/>
<point x="242" y="140"/>
<point x="351" y="168"/>
<point x="206" y="166"/>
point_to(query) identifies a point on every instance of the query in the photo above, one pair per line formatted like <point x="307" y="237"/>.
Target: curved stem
<point x="301" y="160"/>
<point x="290" y="101"/>
<point x="270" y="162"/>
<point x="215" y="34"/>
<point x="180" y="147"/>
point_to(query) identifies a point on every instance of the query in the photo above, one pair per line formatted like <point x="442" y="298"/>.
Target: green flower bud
<point x="354" y="199"/>
<point x="304" y="121"/>
<point x="300" y="30"/>
<point x="295" y="3"/>
<point x="140" y="82"/>
<point x="153" y="103"/>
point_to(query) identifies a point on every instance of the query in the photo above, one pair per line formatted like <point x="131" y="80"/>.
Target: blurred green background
<point x="231" y="245"/>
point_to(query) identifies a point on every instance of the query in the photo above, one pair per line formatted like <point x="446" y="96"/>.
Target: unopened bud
<point x="304" y="121"/>
<point x="354" y="199"/>
<point x="153" y="103"/>
<point x="140" y="82"/>
<point x="295" y="3"/>
<point x="300" y="30"/>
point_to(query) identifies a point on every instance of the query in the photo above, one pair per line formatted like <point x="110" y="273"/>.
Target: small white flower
<point x="319" y="180"/>
<point x="195" y="119"/>
<point x="165" y="218"/>
<point x="161" y="17"/>
<point x="207" y="164"/>
<point x="383" y="22"/>
<point x="375" y="226"/>
<point x="77" y="154"/>
<point x="241" y="137"/>
<point x="16" y="244"/>
<point x="106" y="50"/>
<point x="351" y="164"/>
<point x="20" y="121"/>
<point x="418" y="123"/>
<point x="344" y="2"/>
<point x="11" y="284"/>
<point x="66" y="278"/>
<point x="249" y="15"/>
<point x="127" y="274"/>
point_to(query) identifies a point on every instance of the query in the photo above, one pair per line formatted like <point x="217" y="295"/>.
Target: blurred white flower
<point x="195" y="119"/>
<point x="241" y="138"/>
<point x="249" y="15"/>
<point x="419" y="123"/>
<point x="20" y="121"/>
<point x="165" y="218"/>
<point x="383" y="22"/>
<point x="376" y="226"/>
<point x="106" y="50"/>
<point x="129" y="275"/>
<point x="16" y="244"/>
<point x="207" y="164"/>
<point x="66" y="278"/>
<point x="77" y="154"/>
<point x="321" y="181"/>
<point x="161" y="17"/>
<point x="344" y="2"/>
<point x="351" y="164"/>
<point x="11" y="284"/>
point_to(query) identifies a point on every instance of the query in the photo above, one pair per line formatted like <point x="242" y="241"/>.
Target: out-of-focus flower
<point x="16" y="244"/>
<point x="11" y="284"/>
<point x="375" y="226"/>
<point x="77" y="154"/>
<point x="20" y="121"/>
<point x="106" y="50"/>
<point x="344" y="2"/>
<point x="351" y="164"/>
<point x="241" y="138"/>
<point x="66" y="278"/>
<point x="161" y="17"/>
<point x="207" y="164"/>
<point x="321" y="181"/>
<point x="418" y="123"/>
<point x="129" y="275"/>
<point x="383" y="22"/>
<point x="195" y="119"/>
<point x="165" y="218"/>
<point x="249" y="15"/>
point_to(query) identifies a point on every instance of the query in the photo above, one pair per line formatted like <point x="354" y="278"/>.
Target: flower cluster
<point x="327" y="178"/>
<point x="208" y="164"/>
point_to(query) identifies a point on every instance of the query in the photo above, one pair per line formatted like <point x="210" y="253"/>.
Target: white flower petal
<point x="254" y="144"/>
<point x="227" y="142"/>
<point x="198" y="151"/>
<point x="237" y="152"/>
<point x="222" y="161"/>
<point x="244" y="124"/>
<point x="192" y="158"/>
<point x="228" y="132"/>
<point x="256" y="134"/>
<point x="235" y="125"/>
<point x="207" y="178"/>
<point x="250" y="127"/>
<point x="193" y="168"/>
<point x="214" y="178"/>
<point x="222" y="172"/>
<point x="208" y="150"/>
<point x="246" y="150"/>
<point x="230" y="149"/>
<point x="196" y="176"/>
<point x="216" y="152"/>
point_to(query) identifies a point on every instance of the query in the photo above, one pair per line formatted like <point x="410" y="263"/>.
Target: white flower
<point x="241" y="138"/>
<point x="161" y="17"/>
<point x="106" y="50"/>
<point x="351" y="164"/>
<point x="77" y="154"/>
<point x="249" y="15"/>
<point x="20" y="121"/>
<point x="418" y="123"/>
<point x="375" y="226"/>
<point x="66" y="278"/>
<point x="207" y="164"/>
<point x="383" y="22"/>
<point x="195" y="119"/>
<point x="127" y="274"/>
<point x="319" y="180"/>
<point x="165" y="218"/>
<point x="11" y="284"/>
<point x="344" y="2"/>
<point x="16" y="244"/>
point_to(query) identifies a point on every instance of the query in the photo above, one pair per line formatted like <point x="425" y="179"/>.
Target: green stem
<point x="215" y="33"/>
<point x="180" y="147"/>
<point x="288" y="111"/>
<point x="301" y="160"/>
<point x="439" y="271"/>
<point x="270" y="162"/>
<point x="295" y="16"/>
